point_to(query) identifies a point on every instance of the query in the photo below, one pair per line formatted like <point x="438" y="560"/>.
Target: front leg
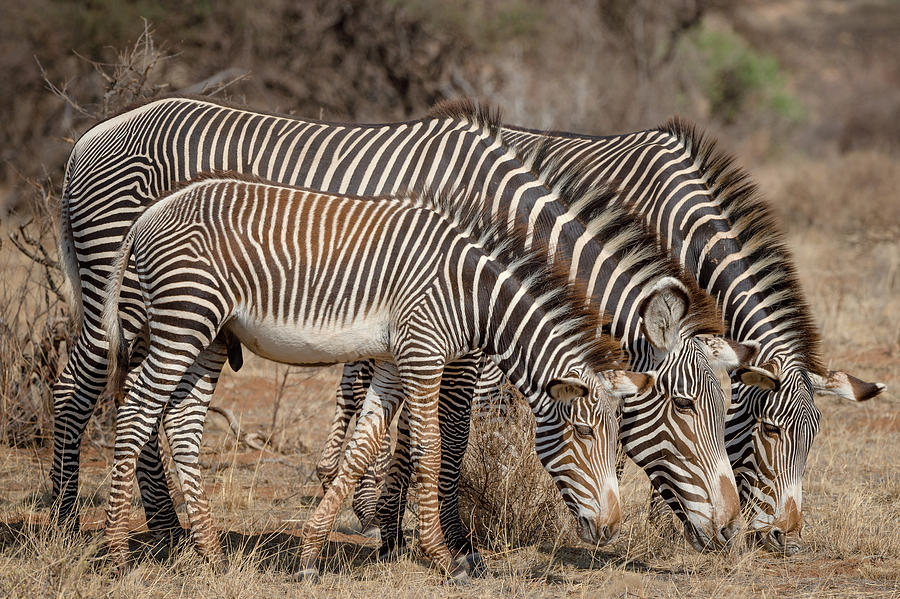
<point x="421" y="384"/>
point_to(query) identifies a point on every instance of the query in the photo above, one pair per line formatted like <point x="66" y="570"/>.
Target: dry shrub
<point x="35" y="326"/>
<point x="506" y="495"/>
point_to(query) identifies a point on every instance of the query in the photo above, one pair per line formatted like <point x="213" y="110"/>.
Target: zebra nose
<point x="728" y="532"/>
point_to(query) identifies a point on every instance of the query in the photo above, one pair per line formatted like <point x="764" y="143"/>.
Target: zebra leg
<point x="153" y="480"/>
<point x="168" y="362"/>
<point x="346" y="406"/>
<point x="378" y="408"/>
<point x="455" y="409"/>
<point x="421" y="384"/>
<point x="392" y="501"/>
<point x="365" y="496"/>
<point x="183" y="424"/>
<point x="75" y="394"/>
<point x="136" y="420"/>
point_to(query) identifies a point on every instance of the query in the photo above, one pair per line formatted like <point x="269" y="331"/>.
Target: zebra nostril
<point x="728" y="532"/>
<point x="777" y="536"/>
<point x="586" y="529"/>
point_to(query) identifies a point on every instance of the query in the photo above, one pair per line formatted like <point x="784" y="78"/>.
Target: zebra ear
<point x="725" y="354"/>
<point x="765" y="376"/>
<point x="625" y="383"/>
<point x="845" y="385"/>
<point x="567" y="388"/>
<point x="661" y="312"/>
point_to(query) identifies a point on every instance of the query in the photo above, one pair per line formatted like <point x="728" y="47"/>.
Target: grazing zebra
<point x="308" y="278"/>
<point x="710" y="216"/>
<point x="122" y="163"/>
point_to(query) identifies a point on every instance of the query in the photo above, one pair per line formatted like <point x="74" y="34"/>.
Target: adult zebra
<point x="714" y="222"/>
<point x="630" y="258"/>
<point x="119" y="165"/>
<point x="309" y="278"/>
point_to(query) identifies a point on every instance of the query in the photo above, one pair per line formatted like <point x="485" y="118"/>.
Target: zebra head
<point x="575" y="441"/>
<point x="771" y="427"/>
<point x="674" y="430"/>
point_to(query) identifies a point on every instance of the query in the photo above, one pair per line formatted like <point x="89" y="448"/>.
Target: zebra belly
<point x="313" y="344"/>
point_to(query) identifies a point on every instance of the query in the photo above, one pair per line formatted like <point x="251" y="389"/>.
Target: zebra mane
<point x="757" y="230"/>
<point x="623" y="234"/>
<point x="545" y="277"/>
<point x="466" y="109"/>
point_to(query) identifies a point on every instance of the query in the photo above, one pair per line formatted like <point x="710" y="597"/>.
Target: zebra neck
<point x="527" y="342"/>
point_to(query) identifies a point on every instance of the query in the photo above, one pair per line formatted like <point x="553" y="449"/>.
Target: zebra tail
<point x="117" y="369"/>
<point x="67" y="257"/>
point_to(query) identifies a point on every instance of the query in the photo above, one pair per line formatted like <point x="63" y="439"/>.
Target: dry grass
<point x="506" y="496"/>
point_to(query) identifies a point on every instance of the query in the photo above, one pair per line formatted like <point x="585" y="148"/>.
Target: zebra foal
<point x="308" y="278"/>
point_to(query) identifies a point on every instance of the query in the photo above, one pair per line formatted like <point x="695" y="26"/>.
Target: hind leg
<point x="75" y="396"/>
<point x="381" y="402"/>
<point x="153" y="480"/>
<point x="136" y="420"/>
<point x="183" y="422"/>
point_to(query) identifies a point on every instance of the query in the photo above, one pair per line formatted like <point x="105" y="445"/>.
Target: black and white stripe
<point x="710" y="216"/>
<point x="119" y="165"/>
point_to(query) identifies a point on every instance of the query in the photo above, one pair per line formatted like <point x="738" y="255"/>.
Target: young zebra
<point x="309" y="278"/>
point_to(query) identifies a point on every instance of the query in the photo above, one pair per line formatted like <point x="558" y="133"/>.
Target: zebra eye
<point x="684" y="404"/>
<point x="772" y="430"/>
<point x="584" y="430"/>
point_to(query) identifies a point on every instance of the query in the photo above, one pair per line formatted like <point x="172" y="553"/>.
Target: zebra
<point x="120" y="164"/>
<point x="413" y="282"/>
<point x="712" y="219"/>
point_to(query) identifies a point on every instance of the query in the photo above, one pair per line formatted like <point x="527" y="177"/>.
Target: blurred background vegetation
<point x="773" y="77"/>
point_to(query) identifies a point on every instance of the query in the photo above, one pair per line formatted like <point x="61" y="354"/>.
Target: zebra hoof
<point x="307" y="575"/>
<point x="459" y="577"/>
<point x="120" y="565"/>
<point x="474" y="564"/>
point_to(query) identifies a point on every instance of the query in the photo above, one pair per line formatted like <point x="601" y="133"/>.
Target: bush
<point x="738" y="79"/>
<point x="506" y="495"/>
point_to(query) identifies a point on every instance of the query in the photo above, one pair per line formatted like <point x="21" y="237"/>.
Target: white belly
<point x="307" y="344"/>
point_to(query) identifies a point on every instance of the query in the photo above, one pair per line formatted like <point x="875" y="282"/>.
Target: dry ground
<point x="842" y="215"/>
